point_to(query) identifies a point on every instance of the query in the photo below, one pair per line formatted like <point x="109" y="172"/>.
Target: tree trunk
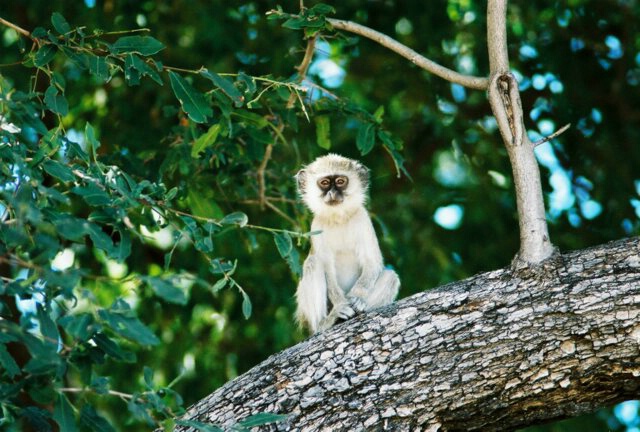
<point x="498" y="351"/>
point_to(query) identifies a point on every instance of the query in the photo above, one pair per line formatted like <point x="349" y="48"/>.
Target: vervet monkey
<point x="344" y="270"/>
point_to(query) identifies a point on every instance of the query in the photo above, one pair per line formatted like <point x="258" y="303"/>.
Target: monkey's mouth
<point x="333" y="202"/>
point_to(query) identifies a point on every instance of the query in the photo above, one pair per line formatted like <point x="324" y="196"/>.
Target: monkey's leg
<point x="384" y="292"/>
<point x="311" y="294"/>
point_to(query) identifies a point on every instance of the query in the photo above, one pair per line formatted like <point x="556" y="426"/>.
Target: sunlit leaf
<point x="205" y="140"/>
<point x="236" y="218"/>
<point x="322" y="132"/>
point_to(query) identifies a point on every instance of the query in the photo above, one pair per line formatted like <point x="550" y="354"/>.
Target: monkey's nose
<point x="333" y="197"/>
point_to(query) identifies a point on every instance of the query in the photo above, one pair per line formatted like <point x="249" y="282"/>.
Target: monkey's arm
<point x="371" y="264"/>
<point x="311" y="294"/>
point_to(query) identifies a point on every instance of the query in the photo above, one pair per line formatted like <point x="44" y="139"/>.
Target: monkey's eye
<point x="341" y="181"/>
<point x="324" y="183"/>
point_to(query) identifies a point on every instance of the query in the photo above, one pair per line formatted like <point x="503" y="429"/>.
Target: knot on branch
<point x="504" y="98"/>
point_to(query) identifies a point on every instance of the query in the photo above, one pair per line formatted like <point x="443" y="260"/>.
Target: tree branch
<point x="15" y="27"/>
<point x="478" y="83"/>
<point x="498" y="351"/>
<point x="504" y="97"/>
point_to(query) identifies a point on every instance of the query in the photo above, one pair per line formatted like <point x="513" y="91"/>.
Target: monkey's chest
<point x="342" y="255"/>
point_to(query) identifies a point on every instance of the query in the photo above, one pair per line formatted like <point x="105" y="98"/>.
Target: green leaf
<point x="48" y="328"/>
<point x="322" y="9"/>
<point x="99" y="67"/>
<point x="112" y="349"/>
<point x="131" y="73"/>
<point x="261" y="419"/>
<point x="365" y="139"/>
<point x="94" y="421"/>
<point x="80" y="326"/>
<point x="60" y="24"/>
<point x="122" y="320"/>
<point x="63" y="414"/>
<point x="143" y="45"/>
<point x="92" y="194"/>
<point x="379" y="114"/>
<point x="226" y="86"/>
<point x="45" y="55"/>
<point x="293" y="259"/>
<point x="193" y="102"/>
<point x="283" y="243"/>
<point x="37" y="418"/>
<point x="100" y="239"/>
<point x="165" y="290"/>
<point x="219" y="285"/>
<point x="246" y="305"/>
<point x="235" y="218"/>
<point x="90" y="136"/>
<point x="8" y="363"/>
<point x="58" y="170"/>
<point x="323" y="131"/>
<point x="55" y="102"/>
<point x="205" y="140"/>
<point x="148" y="376"/>
<point x="199" y="426"/>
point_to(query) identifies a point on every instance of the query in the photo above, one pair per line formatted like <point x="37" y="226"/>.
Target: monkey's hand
<point x="343" y="311"/>
<point x="340" y="312"/>
<point x="357" y="302"/>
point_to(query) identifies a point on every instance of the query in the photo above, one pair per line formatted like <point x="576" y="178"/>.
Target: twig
<point x="303" y="68"/>
<point x="479" y="83"/>
<point x="82" y="390"/>
<point x="261" y="170"/>
<point x="552" y="136"/>
<point x="15" y="27"/>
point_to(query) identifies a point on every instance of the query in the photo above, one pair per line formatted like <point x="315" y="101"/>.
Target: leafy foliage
<point x="146" y="201"/>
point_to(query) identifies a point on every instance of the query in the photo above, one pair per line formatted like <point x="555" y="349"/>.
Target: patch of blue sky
<point x="449" y="217"/>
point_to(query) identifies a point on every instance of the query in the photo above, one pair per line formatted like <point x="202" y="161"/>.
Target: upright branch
<point x="504" y="97"/>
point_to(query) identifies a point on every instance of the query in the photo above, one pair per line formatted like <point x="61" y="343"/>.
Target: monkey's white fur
<point x="345" y="264"/>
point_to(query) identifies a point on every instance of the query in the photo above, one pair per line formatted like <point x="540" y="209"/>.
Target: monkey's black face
<point x="333" y="188"/>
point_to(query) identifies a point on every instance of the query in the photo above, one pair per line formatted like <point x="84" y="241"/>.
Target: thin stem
<point x="82" y="390"/>
<point x="261" y="169"/>
<point x="303" y="68"/>
<point x="15" y="27"/>
<point x="478" y="83"/>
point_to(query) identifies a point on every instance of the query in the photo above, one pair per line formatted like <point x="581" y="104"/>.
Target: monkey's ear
<point x="301" y="179"/>
<point x="363" y="174"/>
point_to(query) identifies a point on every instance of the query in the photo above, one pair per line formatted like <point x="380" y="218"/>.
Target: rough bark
<point x="497" y="351"/>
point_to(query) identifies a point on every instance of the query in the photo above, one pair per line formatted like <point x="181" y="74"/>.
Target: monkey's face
<point x="333" y="188"/>
<point x="333" y="185"/>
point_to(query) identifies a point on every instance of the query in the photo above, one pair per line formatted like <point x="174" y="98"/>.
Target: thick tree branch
<point x="498" y="351"/>
<point x="504" y="97"/>
<point x="479" y="83"/>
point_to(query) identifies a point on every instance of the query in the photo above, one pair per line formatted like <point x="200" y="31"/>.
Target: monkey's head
<point x="333" y="185"/>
